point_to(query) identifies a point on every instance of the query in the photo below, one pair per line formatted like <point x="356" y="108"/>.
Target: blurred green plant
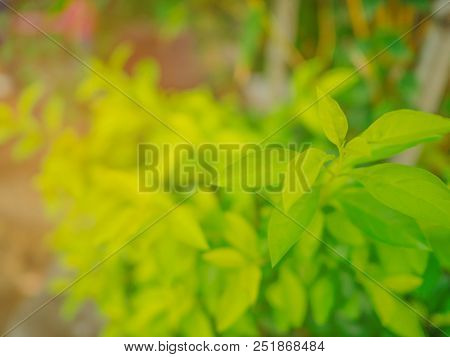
<point x="388" y="221"/>
<point x="231" y="263"/>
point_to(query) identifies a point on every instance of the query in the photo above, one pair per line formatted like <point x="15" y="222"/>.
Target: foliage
<point x="241" y="263"/>
<point x="379" y="219"/>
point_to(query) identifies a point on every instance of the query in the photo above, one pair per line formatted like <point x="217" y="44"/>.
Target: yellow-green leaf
<point x="241" y="235"/>
<point x="197" y="324"/>
<point x="28" y="99"/>
<point x="341" y="227"/>
<point x="224" y="258"/>
<point x="355" y="149"/>
<point x="402" y="283"/>
<point x="289" y="297"/>
<point x="393" y="314"/>
<point x="29" y="144"/>
<point x="310" y="240"/>
<point x="286" y="229"/>
<point x="302" y="172"/>
<point x="254" y="168"/>
<point x="53" y="114"/>
<point x="240" y="293"/>
<point x="413" y="191"/>
<point x="441" y="319"/>
<point x="396" y="131"/>
<point x="381" y="223"/>
<point x="186" y="229"/>
<point x="337" y="80"/>
<point x="322" y="300"/>
<point x="332" y="118"/>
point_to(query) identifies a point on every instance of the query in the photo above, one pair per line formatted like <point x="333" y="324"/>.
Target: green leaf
<point x="400" y="261"/>
<point x="186" y="229"/>
<point x="431" y="279"/>
<point x="343" y="230"/>
<point x="224" y="258"/>
<point x="241" y="235"/>
<point x="240" y="293"/>
<point x="410" y="190"/>
<point x="357" y="148"/>
<point x="301" y="174"/>
<point x="337" y="80"/>
<point x="289" y="298"/>
<point x="396" y="131"/>
<point x="285" y="232"/>
<point x="402" y="283"/>
<point x="439" y="238"/>
<point x="441" y="319"/>
<point x="332" y="118"/>
<point x="393" y="314"/>
<point x="351" y="308"/>
<point x="380" y="222"/>
<point x="296" y="298"/>
<point x="197" y="324"/>
<point x="322" y="300"/>
<point x="309" y="244"/>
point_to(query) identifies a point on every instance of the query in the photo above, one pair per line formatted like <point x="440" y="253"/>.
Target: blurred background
<point x="262" y="58"/>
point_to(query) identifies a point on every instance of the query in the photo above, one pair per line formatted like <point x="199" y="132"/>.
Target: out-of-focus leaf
<point x="301" y="175"/>
<point x="289" y="298"/>
<point x="322" y="300"/>
<point x="197" y="324"/>
<point x="380" y="222"/>
<point x="252" y="32"/>
<point x="284" y="232"/>
<point x="28" y="99"/>
<point x="309" y="243"/>
<point x="53" y="114"/>
<point x="393" y="314"/>
<point x="352" y="308"/>
<point x="343" y="229"/>
<point x="254" y="168"/>
<point x="241" y="235"/>
<point x="306" y="251"/>
<point x="441" y="319"/>
<point x="58" y="5"/>
<point x="410" y="190"/>
<point x="7" y="125"/>
<point x="186" y="229"/>
<point x="240" y="293"/>
<point x="224" y="258"/>
<point x="439" y="238"/>
<point x="400" y="261"/>
<point x="431" y="277"/>
<point x="31" y="141"/>
<point x="402" y="284"/>
<point x="120" y="56"/>
<point x="337" y="80"/>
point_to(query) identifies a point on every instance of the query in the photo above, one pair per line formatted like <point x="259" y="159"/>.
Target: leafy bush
<point x="332" y="261"/>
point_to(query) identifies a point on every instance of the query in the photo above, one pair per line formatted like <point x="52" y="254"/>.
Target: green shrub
<point x="325" y="262"/>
